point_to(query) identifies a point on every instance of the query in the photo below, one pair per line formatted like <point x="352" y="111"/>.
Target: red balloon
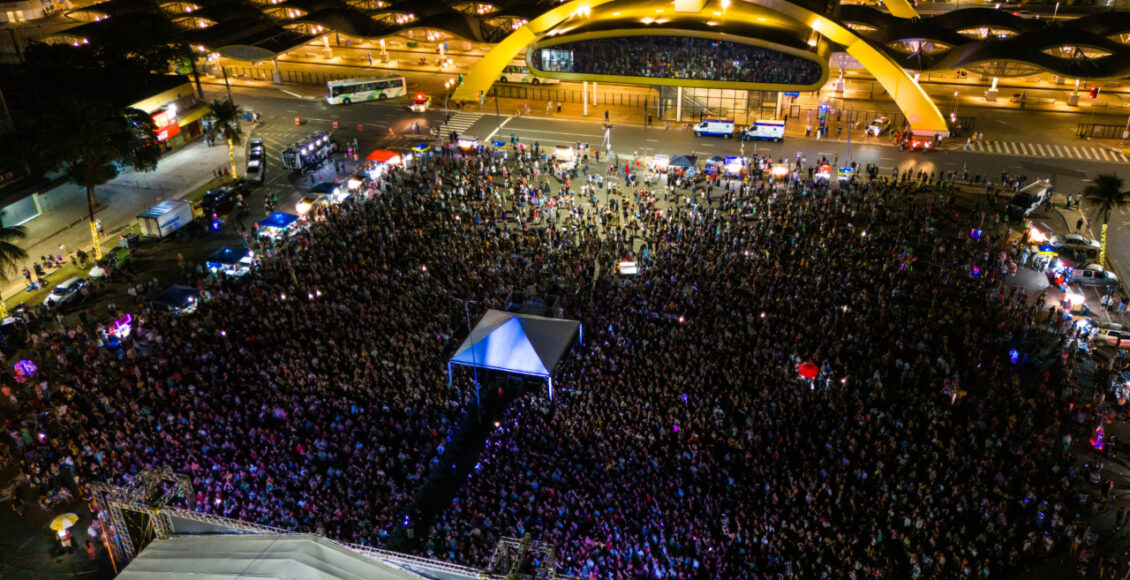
<point x="808" y="369"/>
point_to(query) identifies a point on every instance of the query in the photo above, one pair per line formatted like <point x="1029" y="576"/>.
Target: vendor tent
<point x="278" y="220"/>
<point x="682" y="161"/>
<point x="384" y="156"/>
<point x="517" y="343"/>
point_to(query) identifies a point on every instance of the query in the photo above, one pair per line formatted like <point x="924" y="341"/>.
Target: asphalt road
<point x="377" y="119"/>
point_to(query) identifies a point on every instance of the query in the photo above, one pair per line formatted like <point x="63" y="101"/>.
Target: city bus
<point x="357" y="90"/>
<point x="520" y="73"/>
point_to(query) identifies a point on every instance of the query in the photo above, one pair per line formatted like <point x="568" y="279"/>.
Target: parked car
<point x="255" y="149"/>
<point x="65" y="292"/>
<point x="1094" y="275"/>
<point x="221" y="200"/>
<point x="1081" y="241"/>
<point x="110" y="263"/>
<point x="255" y="169"/>
<point x="1112" y="335"/>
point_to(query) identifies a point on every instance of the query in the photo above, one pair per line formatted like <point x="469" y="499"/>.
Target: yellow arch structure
<point x="920" y="111"/>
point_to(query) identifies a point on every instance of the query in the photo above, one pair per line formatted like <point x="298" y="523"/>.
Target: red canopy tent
<point x="384" y="156"/>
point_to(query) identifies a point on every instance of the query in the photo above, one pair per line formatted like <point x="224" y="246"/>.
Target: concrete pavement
<point x="64" y="220"/>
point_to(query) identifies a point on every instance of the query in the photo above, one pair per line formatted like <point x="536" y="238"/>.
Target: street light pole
<point x="446" y="94"/>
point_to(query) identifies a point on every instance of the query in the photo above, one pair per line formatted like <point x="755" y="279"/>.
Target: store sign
<point x="165" y="123"/>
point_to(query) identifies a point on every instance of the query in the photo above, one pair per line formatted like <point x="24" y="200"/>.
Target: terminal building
<point x="753" y="53"/>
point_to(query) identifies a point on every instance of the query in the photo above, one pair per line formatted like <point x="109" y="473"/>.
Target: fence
<point x="543" y="93"/>
<point x="1100" y="131"/>
<point x="286" y="76"/>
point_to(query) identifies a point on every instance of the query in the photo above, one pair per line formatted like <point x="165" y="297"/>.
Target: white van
<point x="715" y="127"/>
<point x="765" y="130"/>
<point x="1030" y="198"/>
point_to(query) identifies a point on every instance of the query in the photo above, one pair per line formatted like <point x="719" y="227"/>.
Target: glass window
<point x="678" y="57"/>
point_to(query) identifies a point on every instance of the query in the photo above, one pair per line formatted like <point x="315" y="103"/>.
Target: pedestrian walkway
<point x="460" y="122"/>
<point x="1049" y="151"/>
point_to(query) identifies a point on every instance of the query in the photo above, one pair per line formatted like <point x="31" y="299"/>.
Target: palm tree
<point x="10" y="254"/>
<point x="226" y="126"/>
<point x="90" y="141"/>
<point x="1105" y="191"/>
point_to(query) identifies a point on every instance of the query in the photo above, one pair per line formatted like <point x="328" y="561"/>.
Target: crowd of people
<point x="677" y="57"/>
<point x="682" y="443"/>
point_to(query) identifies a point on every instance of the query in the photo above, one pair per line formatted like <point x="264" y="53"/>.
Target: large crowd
<point x="675" y="57"/>
<point x="682" y="442"/>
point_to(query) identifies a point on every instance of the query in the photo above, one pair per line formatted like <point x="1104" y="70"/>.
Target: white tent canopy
<point x="517" y="343"/>
<point x="259" y="556"/>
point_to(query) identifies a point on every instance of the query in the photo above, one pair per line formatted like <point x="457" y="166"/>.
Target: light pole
<point x="446" y="94"/>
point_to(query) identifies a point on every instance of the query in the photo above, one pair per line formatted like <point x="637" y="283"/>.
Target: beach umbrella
<point x="63" y="522"/>
<point x="808" y="369"/>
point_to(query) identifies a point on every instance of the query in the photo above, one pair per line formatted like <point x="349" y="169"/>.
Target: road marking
<point x="1077" y="151"/>
<point x="1087" y="152"/>
<point x="1041" y="150"/>
<point x="496" y="129"/>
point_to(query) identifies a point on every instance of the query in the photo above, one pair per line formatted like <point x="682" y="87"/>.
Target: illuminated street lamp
<point x="446" y="93"/>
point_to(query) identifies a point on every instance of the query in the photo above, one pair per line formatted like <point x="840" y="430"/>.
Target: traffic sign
<point x="792" y="93"/>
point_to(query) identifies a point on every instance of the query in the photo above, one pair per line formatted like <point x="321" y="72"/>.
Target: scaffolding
<point x="511" y="554"/>
<point x="147" y="494"/>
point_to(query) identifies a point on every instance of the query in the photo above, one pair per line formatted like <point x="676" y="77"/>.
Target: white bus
<point x="520" y="73"/>
<point x="357" y="90"/>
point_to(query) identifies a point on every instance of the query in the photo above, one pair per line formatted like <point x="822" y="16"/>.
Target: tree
<point x="1105" y="191"/>
<point x="10" y="255"/>
<point x="91" y="142"/>
<point x="226" y="126"/>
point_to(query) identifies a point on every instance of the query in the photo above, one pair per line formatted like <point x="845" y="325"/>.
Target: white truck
<point x="165" y="218"/>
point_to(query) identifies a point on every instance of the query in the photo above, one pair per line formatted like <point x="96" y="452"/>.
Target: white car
<point x="1094" y="275"/>
<point x="66" y="291"/>
<point x="1078" y="240"/>
<point x="1110" y="336"/>
<point x="255" y="170"/>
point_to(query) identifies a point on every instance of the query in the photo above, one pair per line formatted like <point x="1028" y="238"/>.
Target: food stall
<point x="780" y="171"/>
<point x="823" y="172"/>
<point x="378" y="163"/>
<point x="713" y="165"/>
<point x="659" y="163"/>
<point x="733" y="166"/>
<point x="467" y="142"/>
<point x="231" y="261"/>
<point x="278" y="225"/>
<point x="565" y="156"/>
<point x="846" y="173"/>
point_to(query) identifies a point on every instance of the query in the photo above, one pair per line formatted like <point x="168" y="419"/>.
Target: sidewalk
<point x="64" y="219"/>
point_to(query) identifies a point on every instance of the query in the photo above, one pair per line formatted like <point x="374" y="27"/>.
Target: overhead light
<point x="711" y="23"/>
<point x="646" y="20"/>
<point x="812" y="41"/>
<point x="615" y="13"/>
<point x="760" y="19"/>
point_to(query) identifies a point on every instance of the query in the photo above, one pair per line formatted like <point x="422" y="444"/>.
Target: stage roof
<point x="259" y="556"/>
<point x="518" y="343"/>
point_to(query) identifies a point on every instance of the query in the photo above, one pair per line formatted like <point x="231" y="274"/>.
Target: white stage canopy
<point x="258" y="556"/>
<point x="517" y="343"/>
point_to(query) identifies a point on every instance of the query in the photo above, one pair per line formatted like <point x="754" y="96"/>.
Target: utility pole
<point x="474" y="359"/>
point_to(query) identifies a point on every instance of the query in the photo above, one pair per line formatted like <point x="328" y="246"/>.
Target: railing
<point x="1097" y="131"/>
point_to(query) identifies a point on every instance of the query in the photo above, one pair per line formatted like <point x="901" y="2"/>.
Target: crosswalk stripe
<point x="1087" y="152"/>
<point x="1024" y="149"/>
<point x="1122" y="157"/>
<point x="1013" y="147"/>
<point x="996" y="146"/>
<point x="1059" y="152"/>
<point x="1103" y="153"/>
<point x="1040" y="148"/>
<point x="1078" y="152"/>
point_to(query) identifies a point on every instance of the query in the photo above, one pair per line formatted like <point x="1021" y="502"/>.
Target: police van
<point x="765" y="130"/>
<point x="715" y="127"/>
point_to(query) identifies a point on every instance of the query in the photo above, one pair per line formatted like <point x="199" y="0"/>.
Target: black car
<point x="222" y="199"/>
